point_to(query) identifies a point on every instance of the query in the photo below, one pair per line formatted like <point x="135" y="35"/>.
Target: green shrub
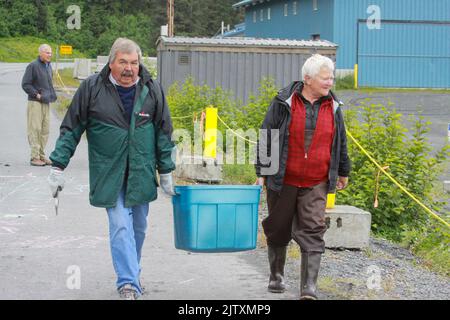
<point x="345" y="83"/>
<point x="410" y="161"/>
<point x="151" y="67"/>
<point x="188" y="101"/>
<point x="251" y="115"/>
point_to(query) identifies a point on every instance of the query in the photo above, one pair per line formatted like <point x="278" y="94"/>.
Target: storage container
<point x="216" y="218"/>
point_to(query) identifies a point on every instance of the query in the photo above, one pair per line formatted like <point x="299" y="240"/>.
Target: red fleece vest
<point x="309" y="168"/>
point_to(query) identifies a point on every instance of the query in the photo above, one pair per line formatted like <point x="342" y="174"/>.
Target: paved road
<point x="41" y="254"/>
<point x="435" y="107"/>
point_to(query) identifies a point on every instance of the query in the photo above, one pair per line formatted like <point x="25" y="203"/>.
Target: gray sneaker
<point x="128" y="292"/>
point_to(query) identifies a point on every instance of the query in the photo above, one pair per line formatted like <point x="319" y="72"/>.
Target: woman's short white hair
<point x="124" y="45"/>
<point x="314" y="64"/>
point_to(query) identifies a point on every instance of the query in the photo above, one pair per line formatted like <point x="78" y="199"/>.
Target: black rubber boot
<point x="310" y="265"/>
<point x="277" y="259"/>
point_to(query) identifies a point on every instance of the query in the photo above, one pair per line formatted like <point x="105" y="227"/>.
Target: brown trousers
<point x="299" y="214"/>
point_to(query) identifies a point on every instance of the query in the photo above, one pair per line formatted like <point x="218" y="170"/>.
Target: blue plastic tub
<point x="216" y="218"/>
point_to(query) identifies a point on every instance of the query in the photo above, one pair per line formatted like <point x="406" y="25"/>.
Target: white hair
<point x="44" y="46"/>
<point x="314" y="64"/>
<point x="124" y="45"/>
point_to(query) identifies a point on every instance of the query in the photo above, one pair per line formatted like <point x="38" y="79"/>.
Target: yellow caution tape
<point x="62" y="83"/>
<point x="234" y="132"/>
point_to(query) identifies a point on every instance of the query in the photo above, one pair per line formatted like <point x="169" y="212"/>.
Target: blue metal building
<point x="396" y="43"/>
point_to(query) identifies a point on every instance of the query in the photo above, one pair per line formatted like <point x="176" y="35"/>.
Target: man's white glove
<point x="55" y="180"/>
<point x="166" y="183"/>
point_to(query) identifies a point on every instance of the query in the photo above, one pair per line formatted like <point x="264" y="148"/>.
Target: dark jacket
<point x="279" y="117"/>
<point x="38" y="79"/>
<point x="119" y="149"/>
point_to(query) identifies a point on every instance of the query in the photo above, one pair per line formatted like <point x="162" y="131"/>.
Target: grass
<point x="336" y="287"/>
<point x="239" y="174"/>
<point x="25" y="49"/>
<point x="432" y="247"/>
<point x="67" y="78"/>
<point x="348" y="288"/>
<point x="328" y="284"/>
<point x="61" y="106"/>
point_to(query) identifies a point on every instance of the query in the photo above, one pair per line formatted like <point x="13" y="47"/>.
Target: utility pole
<point x="170" y="16"/>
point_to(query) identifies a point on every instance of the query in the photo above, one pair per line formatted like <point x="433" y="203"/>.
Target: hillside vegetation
<point x="101" y="22"/>
<point x="25" y="49"/>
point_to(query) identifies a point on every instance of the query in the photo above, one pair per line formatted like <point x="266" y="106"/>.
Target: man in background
<point x="37" y="83"/>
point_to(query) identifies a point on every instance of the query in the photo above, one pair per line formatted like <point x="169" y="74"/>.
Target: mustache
<point x="127" y="73"/>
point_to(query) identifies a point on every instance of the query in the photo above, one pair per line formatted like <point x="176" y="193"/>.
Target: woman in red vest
<point x="304" y="137"/>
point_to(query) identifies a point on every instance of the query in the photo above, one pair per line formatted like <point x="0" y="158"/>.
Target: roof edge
<point x="242" y="3"/>
<point x="245" y="41"/>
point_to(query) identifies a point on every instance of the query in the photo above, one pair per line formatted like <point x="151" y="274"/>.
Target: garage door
<point x="404" y="54"/>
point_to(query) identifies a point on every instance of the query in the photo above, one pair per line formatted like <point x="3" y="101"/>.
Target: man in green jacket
<point x="125" y="115"/>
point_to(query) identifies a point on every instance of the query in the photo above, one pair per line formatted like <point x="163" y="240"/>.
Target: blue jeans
<point x="127" y="228"/>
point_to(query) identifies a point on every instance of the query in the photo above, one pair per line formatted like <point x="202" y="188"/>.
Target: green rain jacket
<point x="119" y="150"/>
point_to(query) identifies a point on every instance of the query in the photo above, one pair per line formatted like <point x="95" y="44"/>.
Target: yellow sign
<point x="65" y="49"/>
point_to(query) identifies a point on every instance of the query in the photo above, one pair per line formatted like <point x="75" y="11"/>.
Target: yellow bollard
<point x="355" y="74"/>
<point x="210" y="133"/>
<point x="331" y="198"/>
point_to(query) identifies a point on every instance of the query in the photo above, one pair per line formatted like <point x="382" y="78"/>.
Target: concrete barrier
<point x="348" y="227"/>
<point x="447" y="186"/>
<point x="198" y="168"/>
<point x="101" y="63"/>
<point x="82" y="68"/>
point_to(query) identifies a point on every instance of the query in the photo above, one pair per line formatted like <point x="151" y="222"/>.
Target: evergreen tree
<point x="102" y="21"/>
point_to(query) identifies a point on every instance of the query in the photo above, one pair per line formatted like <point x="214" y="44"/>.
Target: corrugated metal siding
<point x="300" y="26"/>
<point x="405" y="55"/>
<point x="240" y="72"/>
<point x="347" y="12"/>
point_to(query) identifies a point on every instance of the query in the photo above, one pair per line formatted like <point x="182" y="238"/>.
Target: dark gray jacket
<point x="279" y="117"/>
<point x="38" y="79"/>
